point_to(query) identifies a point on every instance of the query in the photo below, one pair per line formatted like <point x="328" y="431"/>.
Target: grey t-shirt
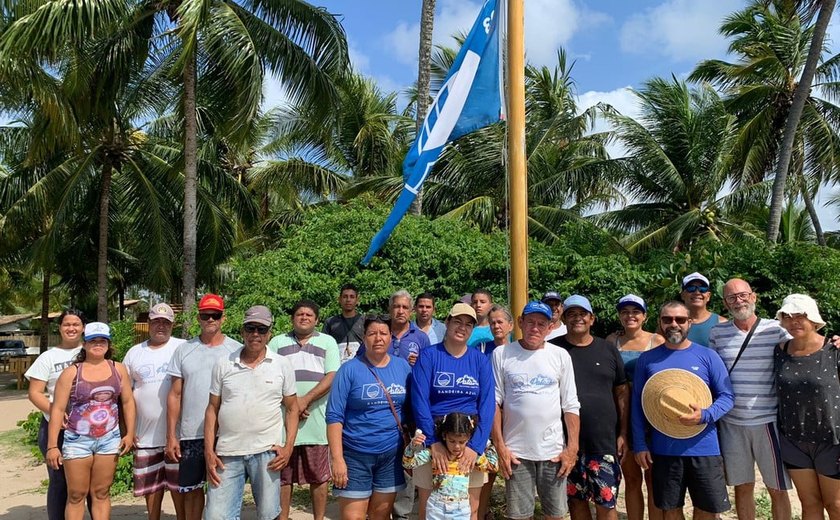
<point x="193" y="362"/>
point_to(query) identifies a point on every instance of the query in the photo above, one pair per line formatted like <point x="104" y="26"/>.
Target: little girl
<point x="450" y="497"/>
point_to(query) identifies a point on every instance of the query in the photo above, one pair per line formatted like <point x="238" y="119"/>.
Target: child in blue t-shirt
<point x="450" y="497"/>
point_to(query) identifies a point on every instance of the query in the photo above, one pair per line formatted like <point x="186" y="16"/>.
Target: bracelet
<point x="53" y="448"/>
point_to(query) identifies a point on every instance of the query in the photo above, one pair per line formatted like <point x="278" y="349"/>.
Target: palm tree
<point x="679" y="160"/>
<point x="800" y="96"/>
<point x="364" y="139"/>
<point x="224" y="50"/>
<point x="796" y="224"/>
<point x="771" y="40"/>
<point x="424" y="69"/>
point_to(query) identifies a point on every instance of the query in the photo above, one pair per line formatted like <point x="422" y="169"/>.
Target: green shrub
<point x="450" y="258"/>
<point x="123" y="477"/>
<point x="30" y="427"/>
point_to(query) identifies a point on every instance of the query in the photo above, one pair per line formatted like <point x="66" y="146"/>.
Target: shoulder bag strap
<point x="387" y="396"/>
<point x="746" y="342"/>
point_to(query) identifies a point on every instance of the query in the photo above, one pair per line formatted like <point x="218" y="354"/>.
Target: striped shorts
<point x="152" y="473"/>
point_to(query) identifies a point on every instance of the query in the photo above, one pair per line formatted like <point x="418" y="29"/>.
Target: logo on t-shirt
<point x="543" y="380"/>
<point x="395" y="389"/>
<point x="444" y="379"/>
<point x="467" y="380"/>
<point x="59" y="367"/>
<point x="372" y="391"/>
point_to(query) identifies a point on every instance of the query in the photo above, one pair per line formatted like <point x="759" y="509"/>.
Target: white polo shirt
<point x="251" y="413"/>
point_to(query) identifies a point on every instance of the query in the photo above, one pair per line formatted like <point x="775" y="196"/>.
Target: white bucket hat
<point x="801" y="304"/>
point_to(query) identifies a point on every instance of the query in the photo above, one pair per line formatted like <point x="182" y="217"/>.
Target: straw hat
<point x="667" y="395"/>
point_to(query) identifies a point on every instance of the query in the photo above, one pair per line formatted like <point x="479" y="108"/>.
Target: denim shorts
<point x="369" y="472"/>
<point x="78" y="446"/>
<point x="442" y="509"/>
<point x="225" y="500"/>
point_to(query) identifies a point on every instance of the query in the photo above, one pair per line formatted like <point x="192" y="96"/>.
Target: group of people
<point x="396" y="413"/>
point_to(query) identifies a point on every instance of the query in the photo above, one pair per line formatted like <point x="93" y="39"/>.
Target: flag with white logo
<point x="469" y="99"/>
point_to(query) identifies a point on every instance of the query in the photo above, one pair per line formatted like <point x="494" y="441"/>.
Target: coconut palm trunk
<point x="45" y="310"/>
<point x="424" y="74"/>
<point x="800" y="96"/>
<point x="812" y="211"/>
<point x="190" y="185"/>
<point x="102" y="260"/>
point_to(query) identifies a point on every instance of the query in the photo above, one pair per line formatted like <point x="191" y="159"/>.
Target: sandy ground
<point x="22" y="494"/>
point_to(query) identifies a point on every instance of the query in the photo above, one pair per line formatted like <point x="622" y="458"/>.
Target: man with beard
<point x="681" y="464"/>
<point x="748" y="433"/>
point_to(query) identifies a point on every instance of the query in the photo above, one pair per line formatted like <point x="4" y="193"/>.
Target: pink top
<point x="94" y="409"/>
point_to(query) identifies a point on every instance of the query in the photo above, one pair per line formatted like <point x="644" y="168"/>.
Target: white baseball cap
<point x="695" y="277"/>
<point x="97" y="329"/>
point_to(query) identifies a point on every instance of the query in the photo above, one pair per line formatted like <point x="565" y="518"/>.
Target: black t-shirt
<point x="598" y="370"/>
<point x="345" y="330"/>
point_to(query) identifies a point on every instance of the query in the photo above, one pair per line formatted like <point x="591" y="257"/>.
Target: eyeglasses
<point x="732" y="298"/>
<point x="702" y="289"/>
<point x="207" y="316"/>
<point x="794" y="317"/>
<point x="679" y="320"/>
<point x="250" y="328"/>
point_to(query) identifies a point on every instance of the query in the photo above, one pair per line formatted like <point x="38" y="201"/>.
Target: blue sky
<point x="616" y="44"/>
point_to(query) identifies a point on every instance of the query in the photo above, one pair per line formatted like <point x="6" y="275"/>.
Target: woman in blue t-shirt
<point x="364" y="425"/>
<point x="451" y="377"/>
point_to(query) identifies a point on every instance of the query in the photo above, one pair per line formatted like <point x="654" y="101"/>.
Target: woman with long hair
<point x="452" y="377"/>
<point x="89" y="394"/>
<point x="42" y="376"/>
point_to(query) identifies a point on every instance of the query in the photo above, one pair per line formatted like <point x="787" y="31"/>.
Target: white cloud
<point x="622" y="99"/>
<point x="359" y="60"/>
<point x="678" y="29"/>
<point x="549" y="24"/>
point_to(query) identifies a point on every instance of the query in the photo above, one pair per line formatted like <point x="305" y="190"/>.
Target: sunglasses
<point x="679" y="320"/>
<point x="250" y="328"/>
<point x="702" y="289"/>
<point x="207" y="316"/>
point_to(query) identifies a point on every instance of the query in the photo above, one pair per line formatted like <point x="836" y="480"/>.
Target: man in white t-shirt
<point x="147" y="364"/>
<point x="191" y="369"/>
<point x="535" y="396"/>
<point x="250" y="392"/>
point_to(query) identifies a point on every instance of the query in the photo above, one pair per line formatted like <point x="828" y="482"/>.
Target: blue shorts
<point x="370" y="472"/>
<point x="78" y="446"/>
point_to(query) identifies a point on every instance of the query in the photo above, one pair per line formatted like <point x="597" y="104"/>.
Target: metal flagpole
<point x="517" y="167"/>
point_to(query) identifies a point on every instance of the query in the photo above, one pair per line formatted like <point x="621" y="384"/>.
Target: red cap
<point x="211" y="302"/>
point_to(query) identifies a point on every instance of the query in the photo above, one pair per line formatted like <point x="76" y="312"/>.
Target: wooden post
<point x="517" y="166"/>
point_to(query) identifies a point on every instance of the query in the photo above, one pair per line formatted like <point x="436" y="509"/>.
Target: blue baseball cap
<point x="97" y="329"/>
<point x="535" y="307"/>
<point x="631" y="299"/>
<point x="579" y="301"/>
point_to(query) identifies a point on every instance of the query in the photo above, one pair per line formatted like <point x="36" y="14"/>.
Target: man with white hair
<point x="748" y="433"/>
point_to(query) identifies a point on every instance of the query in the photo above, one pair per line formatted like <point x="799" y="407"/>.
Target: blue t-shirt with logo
<point x="442" y="384"/>
<point x="359" y="404"/>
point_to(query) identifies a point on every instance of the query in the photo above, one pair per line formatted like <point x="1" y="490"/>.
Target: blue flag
<point x="469" y="99"/>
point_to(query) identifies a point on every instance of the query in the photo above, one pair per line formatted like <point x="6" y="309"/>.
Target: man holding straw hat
<point x="680" y="390"/>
